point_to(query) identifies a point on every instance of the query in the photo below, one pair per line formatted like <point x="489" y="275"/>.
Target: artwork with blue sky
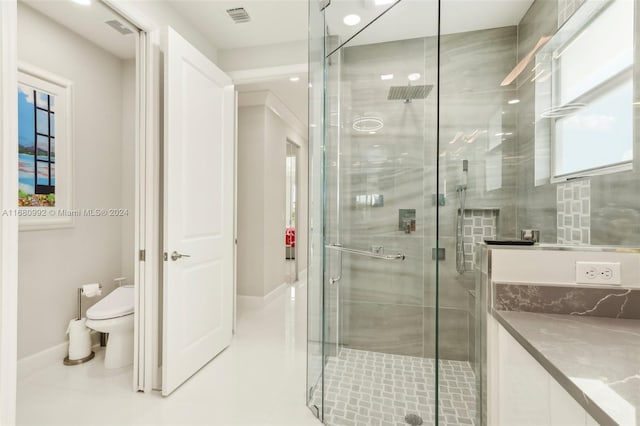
<point x="36" y="146"/>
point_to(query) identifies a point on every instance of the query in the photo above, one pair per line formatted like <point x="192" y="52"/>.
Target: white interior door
<point x="198" y="212"/>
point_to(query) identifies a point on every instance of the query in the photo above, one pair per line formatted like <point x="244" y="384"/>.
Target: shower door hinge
<point x="142" y="255"/>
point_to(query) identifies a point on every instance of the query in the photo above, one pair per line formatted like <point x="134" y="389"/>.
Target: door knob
<point x="175" y="255"/>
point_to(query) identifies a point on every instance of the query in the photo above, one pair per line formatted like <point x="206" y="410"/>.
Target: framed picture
<point x="45" y="149"/>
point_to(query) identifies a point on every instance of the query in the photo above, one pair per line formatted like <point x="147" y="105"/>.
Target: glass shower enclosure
<point x="391" y="333"/>
<point x="433" y="127"/>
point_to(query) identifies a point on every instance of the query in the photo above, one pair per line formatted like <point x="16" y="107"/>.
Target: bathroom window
<point x="592" y="93"/>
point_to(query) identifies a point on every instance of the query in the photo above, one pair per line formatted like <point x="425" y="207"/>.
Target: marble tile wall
<point x="399" y="161"/>
<point x="390" y="307"/>
<point x="574" y="212"/>
<point x="566" y="9"/>
<point x="537" y="207"/>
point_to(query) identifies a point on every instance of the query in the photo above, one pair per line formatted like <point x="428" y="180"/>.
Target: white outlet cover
<point x="598" y="273"/>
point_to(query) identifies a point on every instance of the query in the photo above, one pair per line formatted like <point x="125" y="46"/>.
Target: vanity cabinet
<point x="523" y="393"/>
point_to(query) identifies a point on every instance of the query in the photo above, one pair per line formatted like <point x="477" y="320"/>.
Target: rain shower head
<point x="409" y="93"/>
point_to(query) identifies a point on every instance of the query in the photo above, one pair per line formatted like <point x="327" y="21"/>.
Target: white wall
<point x="274" y="186"/>
<point x="272" y="55"/>
<point x="262" y="139"/>
<point x="162" y="14"/>
<point x="54" y="263"/>
<point x="128" y="167"/>
<point x="251" y="123"/>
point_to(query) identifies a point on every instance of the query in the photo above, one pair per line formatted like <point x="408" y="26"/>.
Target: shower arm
<point x="398" y="256"/>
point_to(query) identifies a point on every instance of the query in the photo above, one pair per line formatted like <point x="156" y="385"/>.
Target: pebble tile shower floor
<point x="375" y="389"/>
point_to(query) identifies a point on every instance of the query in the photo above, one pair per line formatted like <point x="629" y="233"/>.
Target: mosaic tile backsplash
<point x="479" y="225"/>
<point x="583" y="301"/>
<point x="574" y="212"/>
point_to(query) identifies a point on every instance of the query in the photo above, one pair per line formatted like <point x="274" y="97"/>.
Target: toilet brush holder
<point x="80" y="336"/>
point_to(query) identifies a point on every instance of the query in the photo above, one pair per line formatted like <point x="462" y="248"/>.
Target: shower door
<point x="389" y="336"/>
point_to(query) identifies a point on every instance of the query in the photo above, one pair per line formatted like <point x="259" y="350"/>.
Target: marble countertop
<point x="596" y="360"/>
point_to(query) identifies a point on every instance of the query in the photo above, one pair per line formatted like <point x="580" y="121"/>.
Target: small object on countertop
<point x="530" y="235"/>
<point x="510" y="242"/>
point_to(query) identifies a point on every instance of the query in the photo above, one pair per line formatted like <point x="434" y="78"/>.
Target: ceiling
<point x="280" y="21"/>
<point x="409" y="19"/>
<point x="272" y="21"/>
<point x="293" y="95"/>
<point x="89" y="22"/>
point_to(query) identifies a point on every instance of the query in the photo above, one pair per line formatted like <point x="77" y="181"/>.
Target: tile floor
<point x="258" y="380"/>
<point x="365" y="388"/>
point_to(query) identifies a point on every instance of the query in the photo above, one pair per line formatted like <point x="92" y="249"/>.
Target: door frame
<point x="8" y="224"/>
<point x="147" y="214"/>
<point x="296" y="147"/>
<point x="147" y="197"/>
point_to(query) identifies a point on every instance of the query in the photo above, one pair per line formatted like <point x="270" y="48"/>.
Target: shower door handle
<point x="338" y="247"/>
<point x="333" y="280"/>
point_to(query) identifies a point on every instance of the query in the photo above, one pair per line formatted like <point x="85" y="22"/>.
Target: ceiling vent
<point x="239" y="15"/>
<point x="119" y="27"/>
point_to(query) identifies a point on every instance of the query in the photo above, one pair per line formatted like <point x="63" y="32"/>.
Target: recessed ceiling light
<point x="513" y="101"/>
<point x="82" y="2"/>
<point x="372" y="133"/>
<point x="383" y="2"/>
<point x="386" y="76"/>
<point x="368" y="124"/>
<point x="294" y="79"/>
<point x="414" y="76"/>
<point x="351" y="20"/>
<point x="376" y="146"/>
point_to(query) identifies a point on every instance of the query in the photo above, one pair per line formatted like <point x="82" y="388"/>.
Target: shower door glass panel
<point x="315" y="267"/>
<point x="380" y="228"/>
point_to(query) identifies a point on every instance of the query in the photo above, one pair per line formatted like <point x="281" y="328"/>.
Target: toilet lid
<point x="116" y="304"/>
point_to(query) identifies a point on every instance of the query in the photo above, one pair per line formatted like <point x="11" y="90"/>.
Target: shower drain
<point x="413" y="419"/>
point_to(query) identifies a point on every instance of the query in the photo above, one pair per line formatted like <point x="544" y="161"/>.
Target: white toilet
<point x="114" y="315"/>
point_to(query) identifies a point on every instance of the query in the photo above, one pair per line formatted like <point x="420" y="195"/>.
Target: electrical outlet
<point x="598" y="273"/>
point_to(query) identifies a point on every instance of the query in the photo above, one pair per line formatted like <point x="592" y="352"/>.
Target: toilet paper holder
<point x="97" y="291"/>
<point x="80" y="293"/>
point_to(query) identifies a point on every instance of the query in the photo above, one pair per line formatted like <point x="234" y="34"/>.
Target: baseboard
<point x="245" y="303"/>
<point x="302" y="275"/>
<point x="46" y="358"/>
<point x="273" y="294"/>
<point x="248" y="302"/>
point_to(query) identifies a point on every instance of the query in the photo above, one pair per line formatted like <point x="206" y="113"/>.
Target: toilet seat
<point x="118" y="303"/>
